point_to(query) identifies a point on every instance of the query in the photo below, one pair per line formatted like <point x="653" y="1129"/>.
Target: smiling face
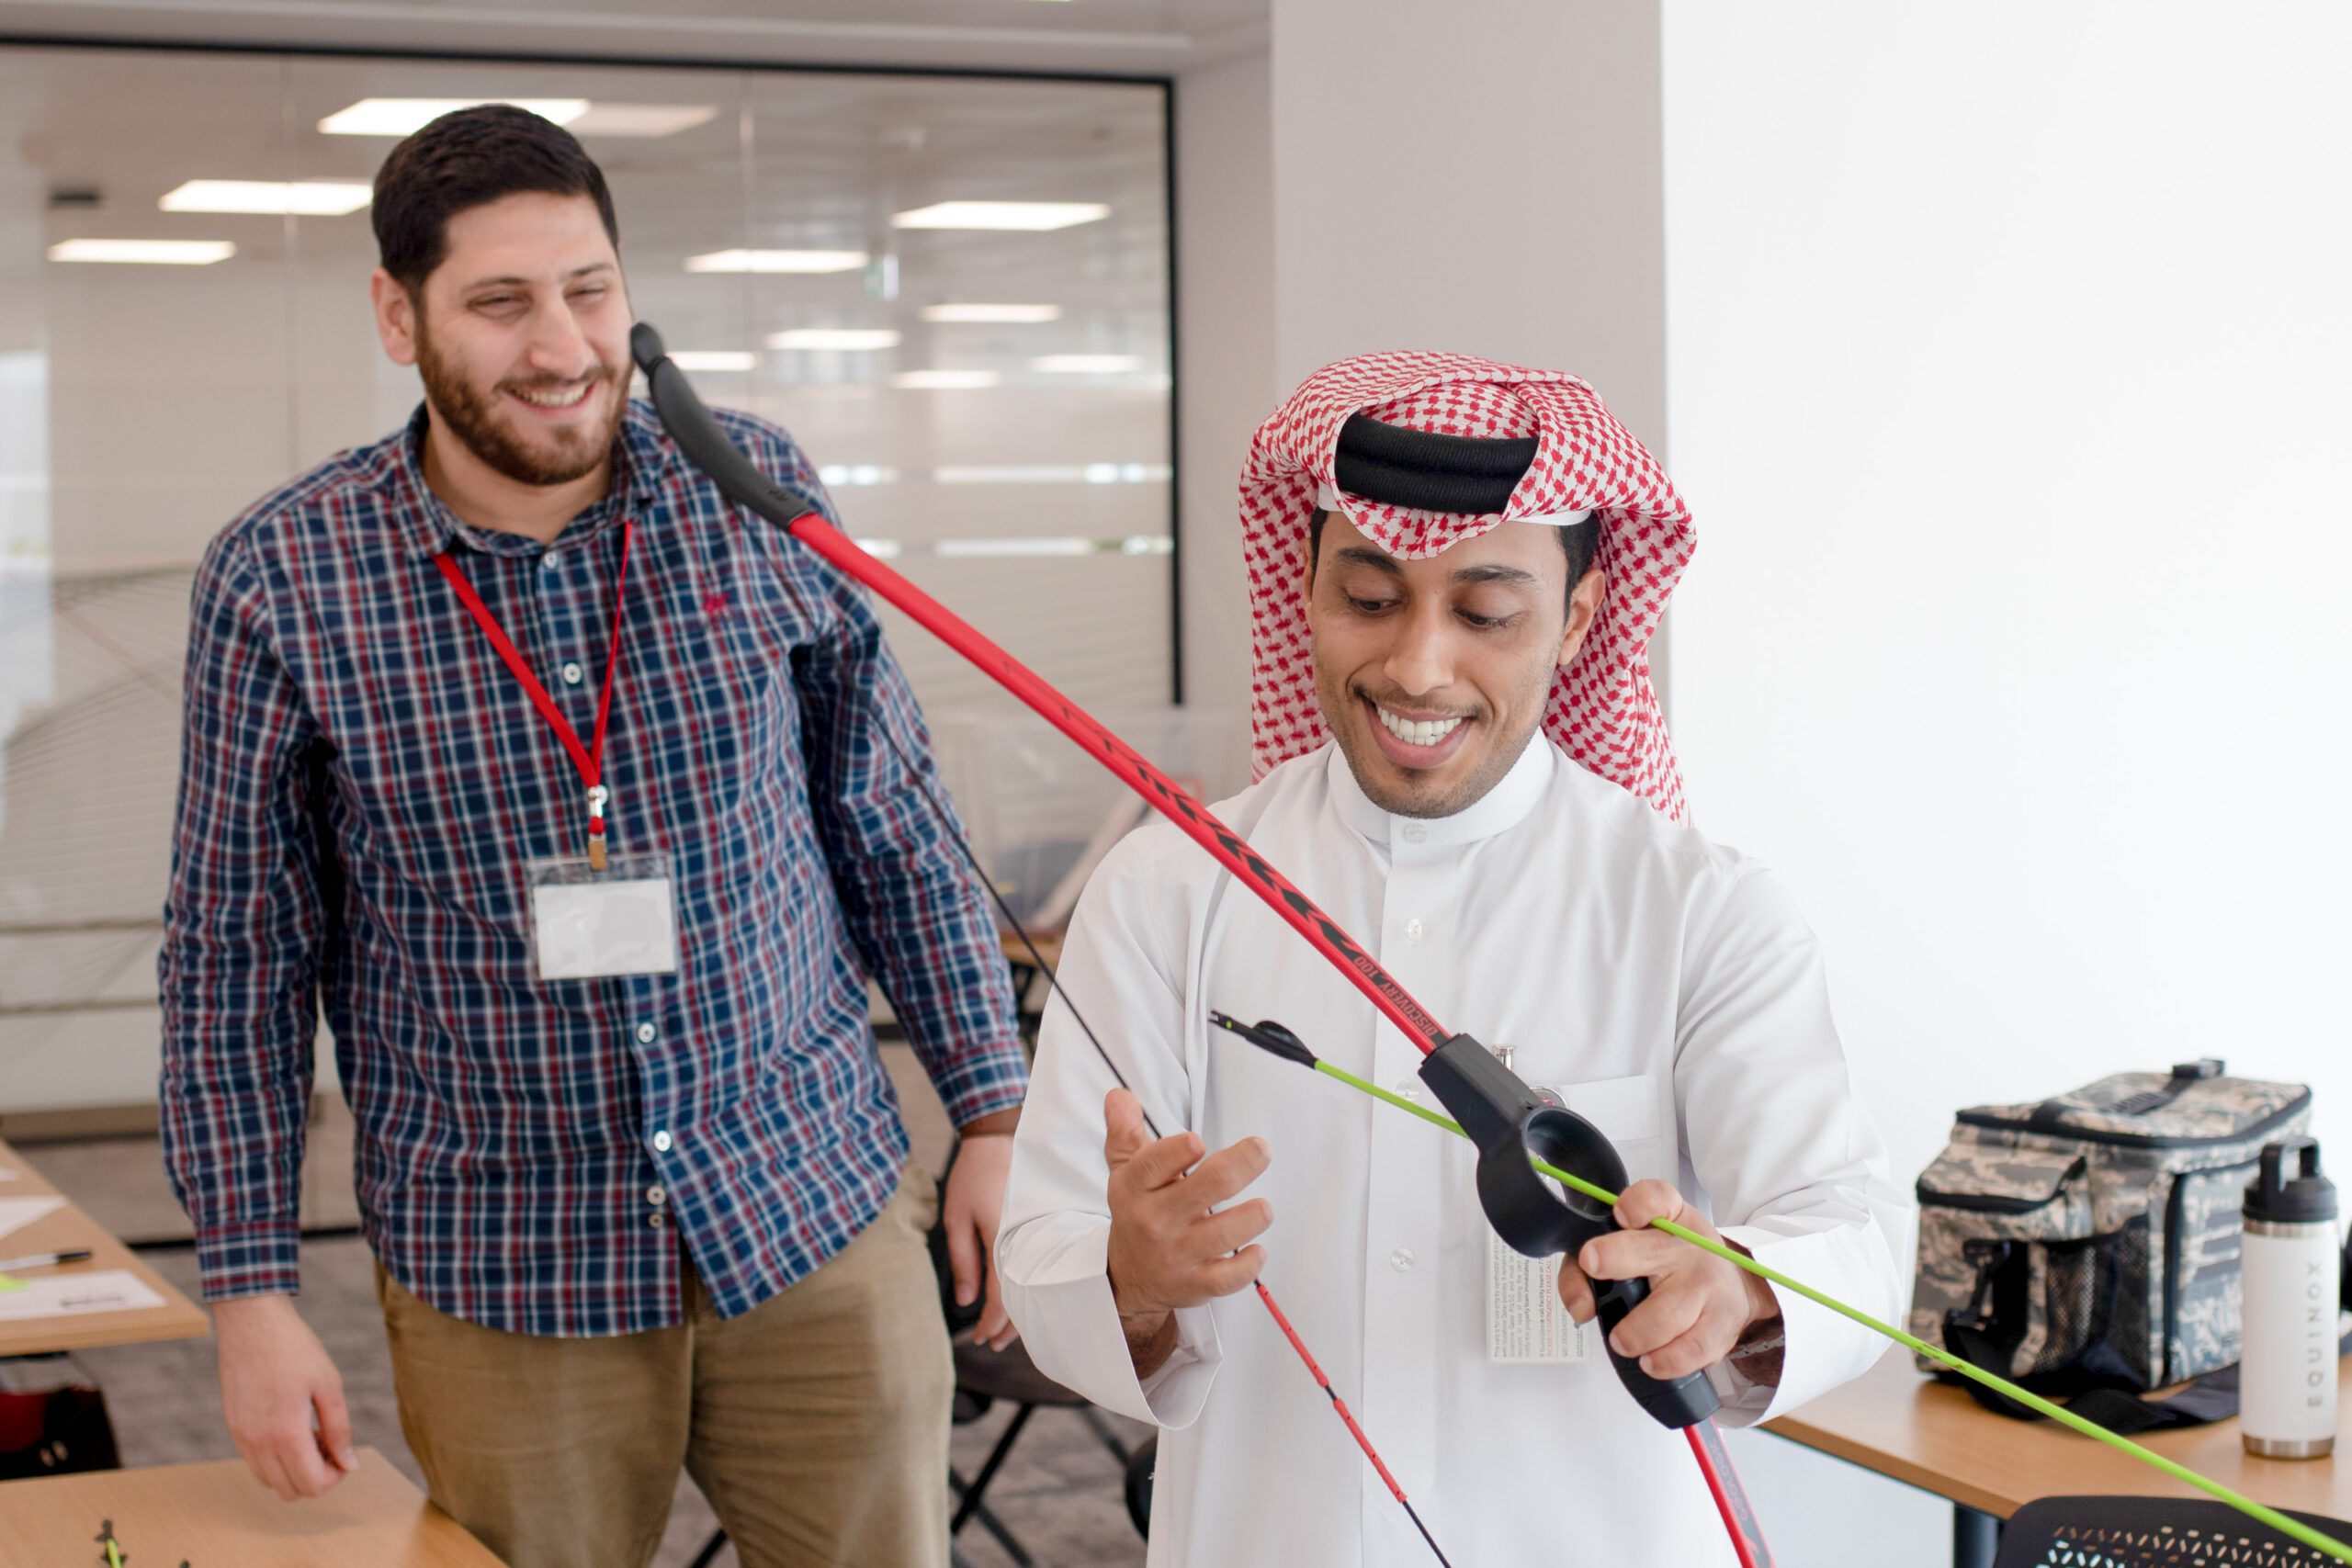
<point x="1433" y="673"/>
<point x="521" y="336"/>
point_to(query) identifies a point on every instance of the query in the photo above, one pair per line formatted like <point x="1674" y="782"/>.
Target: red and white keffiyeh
<point x="1603" y="711"/>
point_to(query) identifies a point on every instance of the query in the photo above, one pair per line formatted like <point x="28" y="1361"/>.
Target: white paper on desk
<point x="15" y="1213"/>
<point x="77" y="1295"/>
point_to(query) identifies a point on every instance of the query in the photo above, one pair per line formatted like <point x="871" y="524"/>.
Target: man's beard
<point x="476" y="421"/>
<point x="1374" y="774"/>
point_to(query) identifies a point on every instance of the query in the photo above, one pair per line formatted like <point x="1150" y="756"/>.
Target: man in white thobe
<point x="1463" y="762"/>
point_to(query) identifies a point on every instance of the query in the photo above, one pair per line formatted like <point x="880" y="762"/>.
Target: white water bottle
<point x="2288" y="1304"/>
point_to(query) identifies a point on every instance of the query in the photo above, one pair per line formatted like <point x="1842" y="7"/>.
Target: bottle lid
<point x="2287" y="1189"/>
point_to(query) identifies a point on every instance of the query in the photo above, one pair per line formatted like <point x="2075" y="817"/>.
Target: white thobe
<point x="1667" y="985"/>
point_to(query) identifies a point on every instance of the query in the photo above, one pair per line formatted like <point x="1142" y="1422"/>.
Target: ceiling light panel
<point x="152" y="253"/>
<point x="308" y="198"/>
<point x="776" y="261"/>
<point x="397" y="117"/>
<point x="1085" y="363"/>
<point x="945" y="380"/>
<point x="850" y="340"/>
<point x="1000" y="315"/>
<point x="642" y="120"/>
<point x="714" y="359"/>
<point x="1027" y="216"/>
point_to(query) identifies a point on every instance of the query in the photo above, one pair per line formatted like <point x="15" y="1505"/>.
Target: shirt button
<point x="661" y="1142"/>
<point x="1401" y="1260"/>
<point x="645" y="1035"/>
<point x="1408" y="1089"/>
<point x="1412" y="930"/>
<point x="571" y="674"/>
<point x="550" y="561"/>
<point x="654" y="1220"/>
<point x="1415" y="833"/>
<point x="654" y="1195"/>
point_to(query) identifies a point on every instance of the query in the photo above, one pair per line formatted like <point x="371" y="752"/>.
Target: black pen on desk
<point x="43" y="1259"/>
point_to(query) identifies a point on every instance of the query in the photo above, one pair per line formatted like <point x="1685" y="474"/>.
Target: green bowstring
<point x="2089" y="1429"/>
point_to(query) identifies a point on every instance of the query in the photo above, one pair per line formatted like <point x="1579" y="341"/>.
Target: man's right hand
<point x="275" y="1378"/>
<point x="1167" y="1248"/>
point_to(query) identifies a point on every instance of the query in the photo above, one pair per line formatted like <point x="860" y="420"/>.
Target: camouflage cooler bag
<point x="2091" y="1241"/>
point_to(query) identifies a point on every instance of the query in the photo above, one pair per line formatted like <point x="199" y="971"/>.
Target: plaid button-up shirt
<point x="362" y="782"/>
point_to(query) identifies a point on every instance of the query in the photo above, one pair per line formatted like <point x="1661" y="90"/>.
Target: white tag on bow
<point x="587" y="924"/>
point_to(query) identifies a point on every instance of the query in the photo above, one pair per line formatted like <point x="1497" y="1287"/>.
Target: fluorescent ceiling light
<point x="1007" y="315"/>
<point x="397" y="117"/>
<point x="308" y="198"/>
<point x="848" y="339"/>
<point x="1025" y="215"/>
<point x="713" y="359"/>
<point x="776" y="261"/>
<point x="1051" y="473"/>
<point x="158" y="253"/>
<point x="1085" y="364"/>
<point x="644" y="120"/>
<point x="840" y="474"/>
<point x="880" y="549"/>
<point x="944" y="380"/>
<point x="1007" y="474"/>
<point x="1014" y="548"/>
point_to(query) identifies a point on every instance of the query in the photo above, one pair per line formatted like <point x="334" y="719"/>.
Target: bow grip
<point x="1536" y="1217"/>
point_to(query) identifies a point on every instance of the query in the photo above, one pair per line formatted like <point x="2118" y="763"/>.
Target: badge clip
<point x="598" y="798"/>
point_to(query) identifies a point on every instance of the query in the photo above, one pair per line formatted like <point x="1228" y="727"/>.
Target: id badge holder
<point x="589" y="922"/>
<point x="1526" y="1324"/>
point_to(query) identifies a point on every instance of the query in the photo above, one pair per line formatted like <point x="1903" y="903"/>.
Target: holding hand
<point x="1698" y="1306"/>
<point x="1169" y="1246"/>
<point x="282" y="1397"/>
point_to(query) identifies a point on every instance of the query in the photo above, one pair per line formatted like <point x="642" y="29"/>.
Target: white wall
<point x="1481" y="176"/>
<point x="1323" y="211"/>
<point x="1225" y="380"/>
<point x="2006" y="381"/>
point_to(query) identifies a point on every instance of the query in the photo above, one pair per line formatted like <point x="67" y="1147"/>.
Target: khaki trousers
<point x="816" y="1424"/>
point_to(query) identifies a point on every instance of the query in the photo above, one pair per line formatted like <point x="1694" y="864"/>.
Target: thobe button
<point x="662" y="1141"/>
<point x="645" y="1035"/>
<point x="1415" y="833"/>
<point x="1401" y="1260"/>
<point x="654" y="1195"/>
<point x="1412" y="930"/>
<point x="571" y="674"/>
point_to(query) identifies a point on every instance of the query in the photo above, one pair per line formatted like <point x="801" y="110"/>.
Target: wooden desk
<point x="1016" y="952"/>
<point x="217" y="1516"/>
<point x="1896" y="1422"/>
<point x="67" y="1230"/>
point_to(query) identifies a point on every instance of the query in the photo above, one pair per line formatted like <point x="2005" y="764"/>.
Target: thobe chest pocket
<point x="1630" y="1113"/>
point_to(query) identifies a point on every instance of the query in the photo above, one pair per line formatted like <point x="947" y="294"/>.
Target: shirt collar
<point x="1500" y="809"/>
<point x="640" y="460"/>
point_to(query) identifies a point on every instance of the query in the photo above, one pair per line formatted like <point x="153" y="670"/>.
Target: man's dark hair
<point x="1576" y="542"/>
<point x="465" y="159"/>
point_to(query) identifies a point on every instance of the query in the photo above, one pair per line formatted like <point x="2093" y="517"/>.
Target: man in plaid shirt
<point x="633" y="1208"/>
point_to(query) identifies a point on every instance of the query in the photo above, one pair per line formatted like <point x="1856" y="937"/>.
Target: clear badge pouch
<point x="1526" y="1324"/>
<point x="589" y="924"/>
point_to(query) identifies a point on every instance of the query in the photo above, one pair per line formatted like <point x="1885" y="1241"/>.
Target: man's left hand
<point x="972" y="1207"/>
<point x="1698" y="1305"/>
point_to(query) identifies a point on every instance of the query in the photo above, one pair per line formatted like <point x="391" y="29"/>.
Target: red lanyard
<point x="589" y="759"/>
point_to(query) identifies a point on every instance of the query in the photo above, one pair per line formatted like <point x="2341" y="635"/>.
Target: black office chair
<point x="983" y="1377"/>
<point x="2152" y="1532"/>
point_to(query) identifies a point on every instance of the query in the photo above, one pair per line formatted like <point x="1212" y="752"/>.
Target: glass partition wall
<point x="953" y="291"/>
